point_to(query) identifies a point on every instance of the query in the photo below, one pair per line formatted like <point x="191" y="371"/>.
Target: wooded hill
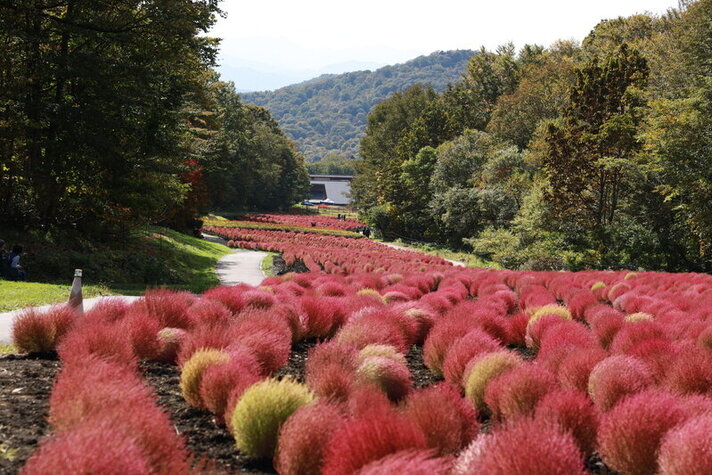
<point x="327" y="115"/>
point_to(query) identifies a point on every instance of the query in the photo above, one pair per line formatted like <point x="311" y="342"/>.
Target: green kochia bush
<point x="262" y="410"/>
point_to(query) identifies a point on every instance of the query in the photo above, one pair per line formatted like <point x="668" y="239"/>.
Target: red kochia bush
<point x="441" y="338"/>
<point x="365" y="440"/>
<point x="108" y="309"/>
<point x="576" y="368"/>
<point x="412" y="462"/>
<point x="231" y="297"/>
<point x="630" y="434"/>
<point x="168" y="307"/>
<point x="97" y="390"/>
<point x="304" y="438"/>
<point x="527" y="446"/>
<point x="517" y="329"/>
<point x="324" y="315"/>
<point x="515" y="393"/>
<point x="329" y="369"/>
<point x="210" y="312"/>
<point x="391" y="377"/>
<point x="686" y="448"/>
<point x="473" y="344"/>
<point x="202" y="337"/>
<point x="690" y="373"/>
<point x="93" y="447"/>
<point x="574" y="412"/>
<point x="96" y="338"/>
<point x="606" y="326"/>
<point x="448" y="421"/>
<point x="35" y="332"/>
<point x="616" y="377"/>
<point x="219" y="381"/>
<point x="632" y="333"/>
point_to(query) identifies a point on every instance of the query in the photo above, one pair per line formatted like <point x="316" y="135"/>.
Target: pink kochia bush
<point x="304" y="438"/>
<point x="76" y="451"/>
<point x="516" y="393"/>
<point x="370" y="438"/>
<point x="41" y="332"/>
<point x="99" y="391"/>
<point x="473" y="344"/>
<point x="574" y="413"/>
<point x="412" y="462"/>
<point x="616" y="377"/>
<point x="630" y="434"/>
<point x="447" y="420"/>
<point x="686" y="448"/>
<point x="526" y="446"/>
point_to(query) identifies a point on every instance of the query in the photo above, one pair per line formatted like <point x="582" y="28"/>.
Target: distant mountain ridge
<point x="327" y="114"/>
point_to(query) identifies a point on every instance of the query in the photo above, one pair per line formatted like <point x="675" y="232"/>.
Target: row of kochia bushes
<point x="332" y="254"/>
<point x="267" y="226"/>
<point x="622" y="365"/>
<point x="303" y="220"/>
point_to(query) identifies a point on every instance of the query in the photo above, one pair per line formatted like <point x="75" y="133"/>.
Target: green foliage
<point x="332" y="164"/>
<point x="262" y="410"/>
<point x="91" y="135"/>
<point x="192" y="372"/>
<point x="327" y="115"/>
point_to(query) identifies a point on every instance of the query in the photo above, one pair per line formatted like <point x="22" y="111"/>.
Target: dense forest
<point x="327" y="115"/>
<point x="591" y="155"/>
<point x="111" y="116"/>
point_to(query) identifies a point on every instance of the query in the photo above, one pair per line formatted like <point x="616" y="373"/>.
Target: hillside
<point x="328" y="114"/>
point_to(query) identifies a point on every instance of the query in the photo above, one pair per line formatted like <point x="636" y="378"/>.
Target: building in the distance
<point x="332" y="189"/>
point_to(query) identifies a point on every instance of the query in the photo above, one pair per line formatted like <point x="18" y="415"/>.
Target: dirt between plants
<point x="26" y="383"/>
<point x="25" y="386"/>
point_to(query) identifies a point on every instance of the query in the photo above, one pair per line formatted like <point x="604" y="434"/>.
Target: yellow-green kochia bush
<point x="193" y="370"/>
<point x="262" y="410"/>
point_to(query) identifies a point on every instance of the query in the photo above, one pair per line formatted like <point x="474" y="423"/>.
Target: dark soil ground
<point x="25" y="385"/>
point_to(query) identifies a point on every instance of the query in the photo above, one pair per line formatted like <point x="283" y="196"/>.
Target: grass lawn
<point x="268" y="264"/>
<point x="470" y="260"/>
<point x="152" y="257"/>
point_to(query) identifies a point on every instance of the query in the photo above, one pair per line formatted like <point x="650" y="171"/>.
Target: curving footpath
<point x="238" y="267"/>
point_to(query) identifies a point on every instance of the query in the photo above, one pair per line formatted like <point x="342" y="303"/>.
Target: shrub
<point x="362" y="334"/>
<point x="368" y="401"/>
<point x="537" y="328"/>
<point x="367" y="439"/>
<point x="574" y="412"/>
<point x="386" y="351"/>
<point x="329" y="369"/>
<point x="705" y="338"/>
<point x="168" y="307"/>
<point x="220" y="381"/>
<point x="575" y="369"/>
<point x="656" y="353"/>
<point x="515" y="393"/>
<point x="483" y="369"/>
<point x="390" y="377"/>
<point x="192" y="373"/>
<point x="258" y="299"/>
<point x="203" y="337"/>
<point x="93" y="447"/>
<point x="261" y="411"/>
<point x="616" y="377"/>
<point x="440" y="339"/>
<point x="638" y="317"/>
<point x="142" y="332"/>
<point x="304" y="438"/>
<point x="606" y="326"/>
<point x="630" y="434"/>
<point x="412" y="462"/>
<point x="632" y="333"/>
<point x="579" y="302"/>
<point x="231" y="297"/>
<point x="324" y="315"/>
<point x="96" y="338"/>
<point x="447" y="420"/>
<point x="108" y="310"/>
<point x="562" y="312"/>
<point x="686" y="448"/>
<point x="210" y="312"/>
<point x="690" y="372"/>
<point x="517" y="329"/>
<point x="559" y="341"/>
<point x="474" y="343"/>
<point x="169" y="342"/>
<point x="271" y="349"/>
<point x="526" y="446"/>
<point x="33" y="332"/>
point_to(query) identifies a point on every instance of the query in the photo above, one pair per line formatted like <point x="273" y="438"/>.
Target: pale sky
<point x="310" y="34"/>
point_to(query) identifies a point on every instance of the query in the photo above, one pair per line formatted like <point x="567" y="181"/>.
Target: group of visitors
<point x="10" y="263"/>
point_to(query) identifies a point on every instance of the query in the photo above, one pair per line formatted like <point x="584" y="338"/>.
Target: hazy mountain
<point x="254" y="76"/>
<point x="327" y="114"/>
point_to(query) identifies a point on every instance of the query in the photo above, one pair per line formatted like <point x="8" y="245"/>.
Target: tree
<point x="591" y="149"/>
<point x="91" y="95"/>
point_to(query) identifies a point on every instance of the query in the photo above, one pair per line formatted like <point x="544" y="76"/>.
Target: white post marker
<point x="76" y="301"/>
